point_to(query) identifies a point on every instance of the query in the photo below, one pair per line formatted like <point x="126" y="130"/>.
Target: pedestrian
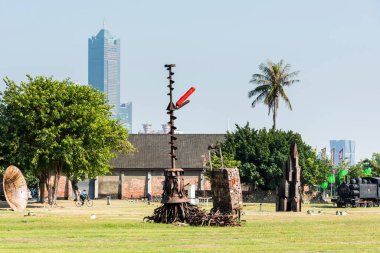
<point x="148" y="198"/>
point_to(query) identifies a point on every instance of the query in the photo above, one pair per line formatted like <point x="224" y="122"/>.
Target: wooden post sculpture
<point x="226" y="191"/>
<point x="288" y="193"/>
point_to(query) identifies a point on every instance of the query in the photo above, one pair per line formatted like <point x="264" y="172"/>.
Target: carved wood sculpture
<point x="15" y="189"/>
<point x="288" y="195"/>
<point x="226" y="191"/>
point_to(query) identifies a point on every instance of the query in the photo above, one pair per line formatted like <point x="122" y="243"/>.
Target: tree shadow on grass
<point x="4" y="206"/>
<point x="323" y="206"/>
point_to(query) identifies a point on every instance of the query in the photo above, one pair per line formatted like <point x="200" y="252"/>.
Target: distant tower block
<point x="288" y="194"/>
<point x="226" y="191"/>
<point x="165" y="128"/>
<point x="147" y="128"/>
<point x="104" y="67"/>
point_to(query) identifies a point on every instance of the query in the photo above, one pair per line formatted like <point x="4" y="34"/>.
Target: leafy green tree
<point x="270" y="86"/>
<point x="49" y="128"/>
<point x="316" y="170"/>
<point x="358" y="170"/>
<point x="263" y="153"/>
<point x="216" y="162"/>
<point x="375" y="164"/>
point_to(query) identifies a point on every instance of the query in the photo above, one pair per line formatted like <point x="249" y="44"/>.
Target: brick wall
<point x="192" y="180"/>
<point x="65" y="190"/>
<point x="157" y="185"/>
<point x="108" y="186"/>
<point x="136" y="187"/>
<point x="126" y="184"/>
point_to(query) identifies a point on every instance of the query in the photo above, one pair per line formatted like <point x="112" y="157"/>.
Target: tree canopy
<point x="366" y="167"/>
<point x="216" y="162"/>
<point x="262" y="155"/>
<point x="50" y="127"/>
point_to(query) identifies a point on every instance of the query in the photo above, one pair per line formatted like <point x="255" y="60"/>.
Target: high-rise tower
<point x="104" y="66"/>
<point x="342" y="150"/>
<point x="125" y="115"/>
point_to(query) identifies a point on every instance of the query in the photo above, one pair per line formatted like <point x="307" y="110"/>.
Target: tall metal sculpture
<point x="289" y="194"/>
<point x="174" y="192"/>
<point x="176" y="206"/>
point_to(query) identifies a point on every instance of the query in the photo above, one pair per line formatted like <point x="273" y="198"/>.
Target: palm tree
<point x="270" y="86"/>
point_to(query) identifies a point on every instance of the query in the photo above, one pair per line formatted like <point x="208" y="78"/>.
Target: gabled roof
<point x="152" y="151"/>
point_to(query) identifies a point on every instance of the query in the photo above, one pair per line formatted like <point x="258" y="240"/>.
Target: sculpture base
<point x="190" y="214"/>
<point x="174" y="185"/>
<point x="284" y="204"/>
<point x="176" y="207"/>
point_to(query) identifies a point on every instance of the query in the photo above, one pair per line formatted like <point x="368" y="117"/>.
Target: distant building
<point x="135" y="174"/>
<point x="104" y="66"/>
<point x="147" y="129"/>
<point x="322" y="154"/>
<point x="165" y="128"/>
<point x="125" y="115"/>
<point x="342" y="150"/>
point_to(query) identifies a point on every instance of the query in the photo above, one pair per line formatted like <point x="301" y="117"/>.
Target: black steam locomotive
<point x="359" y="192"/>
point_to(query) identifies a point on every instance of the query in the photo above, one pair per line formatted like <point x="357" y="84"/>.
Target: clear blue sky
<point x="217" y="46"/>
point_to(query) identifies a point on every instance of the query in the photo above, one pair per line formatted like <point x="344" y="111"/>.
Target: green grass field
<point x="119" y="228"/>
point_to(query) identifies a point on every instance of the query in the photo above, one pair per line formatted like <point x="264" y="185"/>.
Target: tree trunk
<point x="41" y="185"/>
<point x="49" y="189"/>
<point x="74" y="185"/>
<point x="55" y="186"/>
<point x="274" y="113"/>
<point x="57" y="176"/>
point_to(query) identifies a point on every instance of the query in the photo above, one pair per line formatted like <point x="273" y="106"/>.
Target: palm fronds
<point x="270" y="85"/>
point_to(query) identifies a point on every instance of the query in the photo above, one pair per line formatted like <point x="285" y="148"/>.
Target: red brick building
<point x="135" y="174"/>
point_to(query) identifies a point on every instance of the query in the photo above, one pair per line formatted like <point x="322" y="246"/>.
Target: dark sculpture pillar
<point x="226" y="191"/>
<point x="288" y="193"/>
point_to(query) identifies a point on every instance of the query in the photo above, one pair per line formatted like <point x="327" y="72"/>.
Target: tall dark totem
<point x="289" y="191"/>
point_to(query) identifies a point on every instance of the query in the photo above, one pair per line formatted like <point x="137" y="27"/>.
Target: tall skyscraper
<point x="104" y="66"/>
<point x="125" y="115"/>
<point x="342" y="150"/>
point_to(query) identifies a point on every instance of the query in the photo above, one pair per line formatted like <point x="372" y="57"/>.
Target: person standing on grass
<point x="148" y="198"/>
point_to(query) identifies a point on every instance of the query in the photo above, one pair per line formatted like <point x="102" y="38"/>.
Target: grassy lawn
<point x="119" y="228"/>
